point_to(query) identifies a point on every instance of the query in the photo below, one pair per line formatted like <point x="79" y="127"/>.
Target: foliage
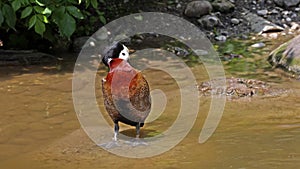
<point x="47" y="18"/>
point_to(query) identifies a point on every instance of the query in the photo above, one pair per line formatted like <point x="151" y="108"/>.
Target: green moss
<point x="295" y="62"/>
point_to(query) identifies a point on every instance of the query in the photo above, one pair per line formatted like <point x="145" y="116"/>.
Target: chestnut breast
<point x="125" y="89"/>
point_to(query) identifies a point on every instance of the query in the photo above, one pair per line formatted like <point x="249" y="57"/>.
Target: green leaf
<point x="73" y="1"/>
<point x="47" y="11"/>
<point x="94" y="3"/>
<point x="39" y="3"/>
<point x="58" y="14"/>
<point x="32" y="21"/>
<point x="75" y="12"/>
<point x="67" y="25"/>
<point x="102" y="19"/>
<point x="87" y="3"/>
<point x="42" y="18"/>
<point x="9" y="15"/>
<point x="25" y="2"/>
<point x="16" y="5"/>
<point x="38" y="9"/>
<point x="26" y="12"/>
<point x="39" y="27"/>
<point x="1" y="18"/>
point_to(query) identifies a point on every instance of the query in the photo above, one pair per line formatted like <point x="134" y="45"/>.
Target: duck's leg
<point x="138" y="128"/>
<point x="137" y="141"/>
<point x="114" y="142"/>
<point x="116" y="131"/>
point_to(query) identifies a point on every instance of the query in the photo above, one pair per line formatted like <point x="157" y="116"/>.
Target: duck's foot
<point x="109" y="145"/>
<point x="136" y="142"/>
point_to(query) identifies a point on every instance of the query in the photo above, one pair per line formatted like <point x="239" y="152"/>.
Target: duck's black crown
<point x="112" y="52"/>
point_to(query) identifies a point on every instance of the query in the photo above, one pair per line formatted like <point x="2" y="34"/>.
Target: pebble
<point x="262" y="12"/>
<point x="297" y="9"/>
<point x="294" y="26"/>
<point x="244" y="37"/>
<point x="285" y="12"/>
<point x="294" y="15"/>
<point x="274" y="11"/>
<point x="221" y="38"/>
<point x="224" y="33"/>
<point x="264" y="35"/>
<point x="288" y="19"/>
<point x="273" y="35"/>
<point x="278" y="8"/>
<point x="235" y="21"/>
<point x="258" y="45"/>
<point x="198" y="8"/>
<point x="209" y="21"/>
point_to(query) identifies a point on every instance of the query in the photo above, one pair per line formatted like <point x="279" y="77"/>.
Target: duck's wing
<point x="140" y="98"/>
<point x="109" y="102"/>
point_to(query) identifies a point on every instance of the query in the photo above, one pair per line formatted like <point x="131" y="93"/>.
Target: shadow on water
<point x="144" y="132"/>
<point x="57" y="67"/>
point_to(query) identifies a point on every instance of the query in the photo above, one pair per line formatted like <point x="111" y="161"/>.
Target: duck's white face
<point x="124" y="54"/>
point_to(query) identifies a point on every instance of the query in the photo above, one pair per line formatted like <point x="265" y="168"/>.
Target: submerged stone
<point x="239" y="88"/>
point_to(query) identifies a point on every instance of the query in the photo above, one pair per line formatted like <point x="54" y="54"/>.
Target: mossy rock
<point x="287" y="56"/>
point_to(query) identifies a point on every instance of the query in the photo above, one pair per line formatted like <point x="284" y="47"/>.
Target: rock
<point x="273" y="35"/>
<point x="294" y="26"/>
<point x="225" y="33"/>
<point x="278" y="2"/>
<point x="178" y="6"/>
<point x="287" y="56"/>
<point x="261" y="25"/>
<point x="244" y="37"/>
<point x="262" y="12"/>
<point x="288" y="19"/>
<point x="294" y="15"/>
<point x="223" y="6"/>
<point x="237" y="88"/>
<point x="290" y="3"/>
<point x="234" y="21"/>
<point x="198" y="8"/>
<point x="79" y="42"/>
<point x="258" y="45"/>
<point x="274" y="11"/>
<point x="209" y="21"/>
<point x="285" y="13"/>
<point x="180" y="51"/>
<point x="221" y="38"/>
<point x="286" y="3"/>
<point x="25" y="57"/>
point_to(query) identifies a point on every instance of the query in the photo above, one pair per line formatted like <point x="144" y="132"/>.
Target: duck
<point x="126" y="92"/>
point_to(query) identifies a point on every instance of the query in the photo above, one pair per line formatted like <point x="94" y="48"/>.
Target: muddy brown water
<point x="39" y="127"/>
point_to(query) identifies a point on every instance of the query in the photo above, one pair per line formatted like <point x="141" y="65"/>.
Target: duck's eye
<point x="123" y="54"/>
